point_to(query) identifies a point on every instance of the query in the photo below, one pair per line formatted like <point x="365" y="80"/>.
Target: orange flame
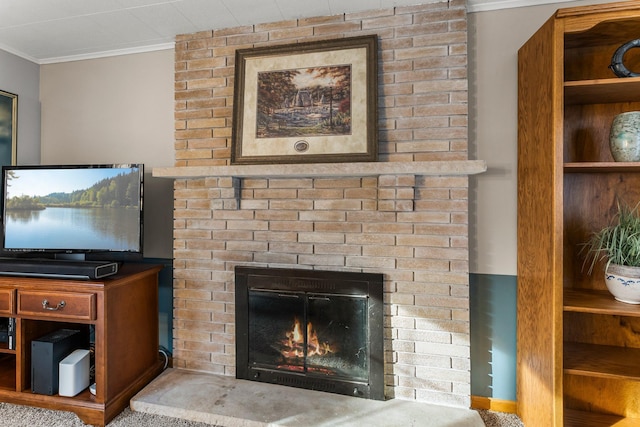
<point x="294" y="342"/>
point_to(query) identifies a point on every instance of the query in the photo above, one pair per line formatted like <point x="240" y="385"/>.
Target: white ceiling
<point x="47" y="31"/>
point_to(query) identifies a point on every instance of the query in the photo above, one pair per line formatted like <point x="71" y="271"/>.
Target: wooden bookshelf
<point x="577" y="346"/>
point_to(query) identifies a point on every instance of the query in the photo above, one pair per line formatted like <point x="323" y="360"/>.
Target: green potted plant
<point x="619" y="245"/>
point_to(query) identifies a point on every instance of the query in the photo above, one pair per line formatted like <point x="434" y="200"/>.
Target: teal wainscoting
<point x="493" y="336"/>
<point x="165" y="301"/>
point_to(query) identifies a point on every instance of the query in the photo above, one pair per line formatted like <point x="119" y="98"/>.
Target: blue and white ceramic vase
<point x="623" y="282"/>
<point x="624" y="138"/>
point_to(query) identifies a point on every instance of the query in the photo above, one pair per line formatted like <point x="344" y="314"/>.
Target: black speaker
<point x="46" y="354"/>
<point x="57" y="268"/>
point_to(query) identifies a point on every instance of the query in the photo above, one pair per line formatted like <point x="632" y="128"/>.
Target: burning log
<point x="293" y="345"/>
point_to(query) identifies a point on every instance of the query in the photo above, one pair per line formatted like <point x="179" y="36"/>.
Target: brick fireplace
<point x="407" y="223"/>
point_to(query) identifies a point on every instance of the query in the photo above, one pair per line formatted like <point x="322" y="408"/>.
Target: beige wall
<point x="115" y="110"/>
<point x="494" y="40"/>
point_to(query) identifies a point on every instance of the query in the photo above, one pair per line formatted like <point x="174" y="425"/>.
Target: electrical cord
<point x="165" y="353"/>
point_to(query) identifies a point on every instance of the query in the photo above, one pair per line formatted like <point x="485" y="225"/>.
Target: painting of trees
<point x="304" y="102"/>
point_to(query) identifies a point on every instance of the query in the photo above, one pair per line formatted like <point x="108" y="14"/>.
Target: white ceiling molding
<point x="487" y="5"/>
<point x="106" y="54"/>
<point x="19" y="54"/>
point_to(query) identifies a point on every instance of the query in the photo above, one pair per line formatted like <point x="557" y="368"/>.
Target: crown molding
<point x="487" y="5"/>
<point x="105" y="54"/>
<point x="18" y="54"/>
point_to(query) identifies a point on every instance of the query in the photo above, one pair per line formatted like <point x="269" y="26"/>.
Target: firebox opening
<point x="320" y="330"/>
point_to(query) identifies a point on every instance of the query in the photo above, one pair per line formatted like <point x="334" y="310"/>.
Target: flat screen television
<point x="79" y="212"/>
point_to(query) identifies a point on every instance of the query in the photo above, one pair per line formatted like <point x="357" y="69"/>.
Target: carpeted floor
<point x="24" y="416"/>
<point x="500" y="419"/>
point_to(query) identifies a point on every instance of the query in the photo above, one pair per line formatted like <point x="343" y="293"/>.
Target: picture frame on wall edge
<point x="8" y="128"/>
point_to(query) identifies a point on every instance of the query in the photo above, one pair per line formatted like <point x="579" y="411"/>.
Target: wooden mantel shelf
<point x="455" y="167"/>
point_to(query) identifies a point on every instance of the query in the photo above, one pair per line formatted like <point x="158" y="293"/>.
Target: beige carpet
<point x="500" y="419"/>
<point x="24" y="416"/>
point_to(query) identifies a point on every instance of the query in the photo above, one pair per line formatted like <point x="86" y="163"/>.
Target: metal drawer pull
<point x="45" y="305"/>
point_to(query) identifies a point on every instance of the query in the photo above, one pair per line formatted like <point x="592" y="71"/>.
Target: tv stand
<point x="122" y="310"/>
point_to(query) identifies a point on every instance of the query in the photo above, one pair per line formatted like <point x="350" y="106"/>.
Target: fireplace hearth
<point x="319" y="330"/>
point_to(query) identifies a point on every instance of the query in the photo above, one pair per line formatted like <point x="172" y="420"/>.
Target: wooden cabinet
<point x="578" y="354"/>
<point x="120" y="313"/>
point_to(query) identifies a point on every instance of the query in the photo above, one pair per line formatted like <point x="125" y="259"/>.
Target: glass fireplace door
<point x="314" y="334"/>
<point x="274" y="339"/>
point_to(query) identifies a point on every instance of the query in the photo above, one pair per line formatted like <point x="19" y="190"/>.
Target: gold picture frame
<point x="8" y="128"/>
<point x="313" y="102"/>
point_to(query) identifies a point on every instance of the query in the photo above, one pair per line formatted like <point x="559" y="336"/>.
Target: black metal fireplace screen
<point x="320" y="330"/>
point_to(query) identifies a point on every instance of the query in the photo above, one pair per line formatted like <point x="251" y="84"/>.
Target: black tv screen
<point x="90" y="210"/>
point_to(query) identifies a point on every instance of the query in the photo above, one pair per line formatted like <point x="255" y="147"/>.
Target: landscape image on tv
<point x="72" y="209"/>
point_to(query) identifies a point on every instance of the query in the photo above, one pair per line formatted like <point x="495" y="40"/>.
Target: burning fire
<point x="294" y="343"/>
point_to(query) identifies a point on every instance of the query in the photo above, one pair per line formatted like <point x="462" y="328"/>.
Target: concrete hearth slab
<point x="229" y="402"/>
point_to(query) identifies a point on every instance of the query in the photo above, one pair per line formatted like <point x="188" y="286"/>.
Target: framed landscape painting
<point x="8" y="127"/>
<point x="312" y="102"/>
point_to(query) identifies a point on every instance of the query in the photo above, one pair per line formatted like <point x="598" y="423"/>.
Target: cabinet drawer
<point x="60" y="305"/>
<point x="7" y="301"/>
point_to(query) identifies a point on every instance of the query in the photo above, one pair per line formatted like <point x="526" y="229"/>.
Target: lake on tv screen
<point x="115" y="229"/>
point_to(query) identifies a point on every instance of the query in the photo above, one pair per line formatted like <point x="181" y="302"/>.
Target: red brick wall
<point x="413" y="229"/>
